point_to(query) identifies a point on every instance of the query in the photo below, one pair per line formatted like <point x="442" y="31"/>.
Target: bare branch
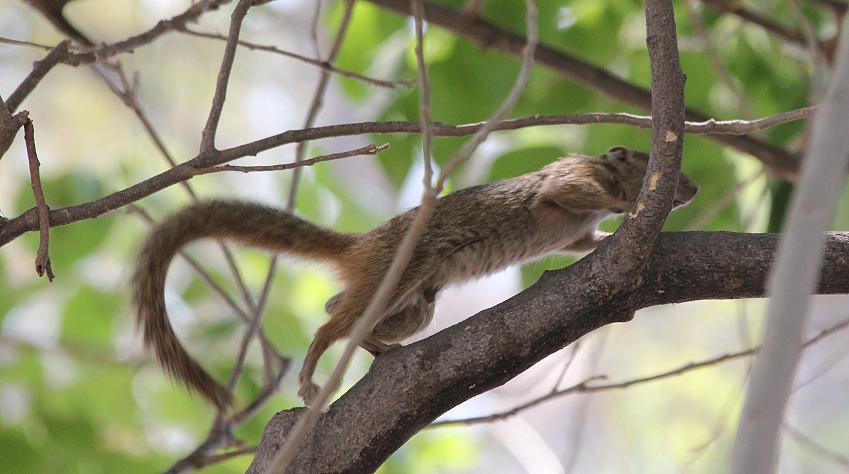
<point x="318" y="98"/>
<point x="528" y="55"/>
<point x="9" y="126"/>
<point x="27" y="221"/>
<point x="791" y="36"/>
<point x="39" y="70"/>
<point x="806" y="441"/>
<point x="362" y="151"/>
<point x="587" y="387"/>
<point x="635" y="238"/>
<point x="31" y="44"/>
<point x="424" y="94"/>
<point x="794" y="276"/>
<point x="42" y="259"/>
<point x="403" y="254"/>
<point x="162" y="27"/>
<point x="315" y="62"/>
<point x="489" y="36"/>
<point x="413" y="385"/>
<point x="207" y="142"/>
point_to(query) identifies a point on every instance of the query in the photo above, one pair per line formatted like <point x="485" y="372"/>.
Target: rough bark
<point x="408" y="388"/>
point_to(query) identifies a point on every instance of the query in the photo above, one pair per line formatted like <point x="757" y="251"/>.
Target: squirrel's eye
<point x="618" y="153"/>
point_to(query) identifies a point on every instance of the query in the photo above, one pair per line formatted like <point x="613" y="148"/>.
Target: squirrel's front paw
<point x="308" y="392"/>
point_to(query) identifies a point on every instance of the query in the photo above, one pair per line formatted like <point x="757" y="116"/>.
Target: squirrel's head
<point x="611" y="181"/>
<point x="629" y="167"/>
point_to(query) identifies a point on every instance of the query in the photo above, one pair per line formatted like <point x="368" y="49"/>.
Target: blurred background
<point x="78" y="393"/>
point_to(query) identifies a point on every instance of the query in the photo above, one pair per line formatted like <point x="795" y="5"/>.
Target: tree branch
<point x="27" y="221"/>
<point x="39" y="70"/>
<point x="488" y="35"/>
<point x="587" y="385"/>
<point x="42" y="258"/>
<point x="207" y="142"/>
<point x="408" y="388"/>
<point x="795" y="275"/>
<point x="324" y="65"/>
<point x="633" y="242"/>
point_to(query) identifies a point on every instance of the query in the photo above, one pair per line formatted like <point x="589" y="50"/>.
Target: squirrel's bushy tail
<point x="250" y="223"/>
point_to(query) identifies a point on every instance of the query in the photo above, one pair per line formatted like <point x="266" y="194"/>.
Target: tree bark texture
<point x="409" y="387"/>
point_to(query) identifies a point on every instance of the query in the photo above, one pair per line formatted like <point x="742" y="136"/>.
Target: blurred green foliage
<point x="77" y="393"/>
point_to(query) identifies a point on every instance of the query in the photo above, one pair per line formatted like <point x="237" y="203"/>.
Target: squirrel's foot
<point x="308" y="392"/>
<point x="376" y="347"/>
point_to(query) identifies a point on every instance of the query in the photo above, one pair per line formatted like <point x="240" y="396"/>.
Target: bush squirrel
<point x="473" y="232"/>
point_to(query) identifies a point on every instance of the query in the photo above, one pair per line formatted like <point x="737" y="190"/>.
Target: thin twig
<point x="9" y="126"/>
<point x="207" y="142"/>
<point x="586" y="387"/>
<point x="417" y="8"/>
<point x="42" y="259"/>
<point x="362" y="151"/>
<point x="528" y="58"/>
<point x="806" y="441"/>
<point x="39" y="70"/>
<point x="572" y="356"/>
<point x="129" y="98"/>
<point x="402" y="257"/>
<point x="818" y="59"/>
<point x="97" y="207"/>
<point x="162" y="27"/>
<point x="216" y="458"/>
<point x="315" y="62"/>
<point x="31" y="44"/>
<point x="716" y="62"/>
<point x="770" y="26"/>
<point x="318" y="98"/>
<point x="316" y="16"/>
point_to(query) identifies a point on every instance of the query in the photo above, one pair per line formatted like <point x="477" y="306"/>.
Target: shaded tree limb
<point x="408" y="388"/>
<point x="487" y="35"/>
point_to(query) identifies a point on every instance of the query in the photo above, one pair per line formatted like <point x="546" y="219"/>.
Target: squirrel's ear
<point x="618" y="153"/>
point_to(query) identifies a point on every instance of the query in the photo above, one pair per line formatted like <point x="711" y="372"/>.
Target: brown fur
<point x="473" y="232"/>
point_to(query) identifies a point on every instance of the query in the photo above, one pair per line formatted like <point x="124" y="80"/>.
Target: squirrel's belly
<point x="483" y="258"/>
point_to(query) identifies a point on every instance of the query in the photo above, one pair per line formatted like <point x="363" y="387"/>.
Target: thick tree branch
<point x="408" y="388"/>
<point x="490" y="36"/>
<point x="632" y="244"/>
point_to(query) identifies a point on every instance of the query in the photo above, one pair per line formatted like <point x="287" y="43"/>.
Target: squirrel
<point x="472" y="232"/>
